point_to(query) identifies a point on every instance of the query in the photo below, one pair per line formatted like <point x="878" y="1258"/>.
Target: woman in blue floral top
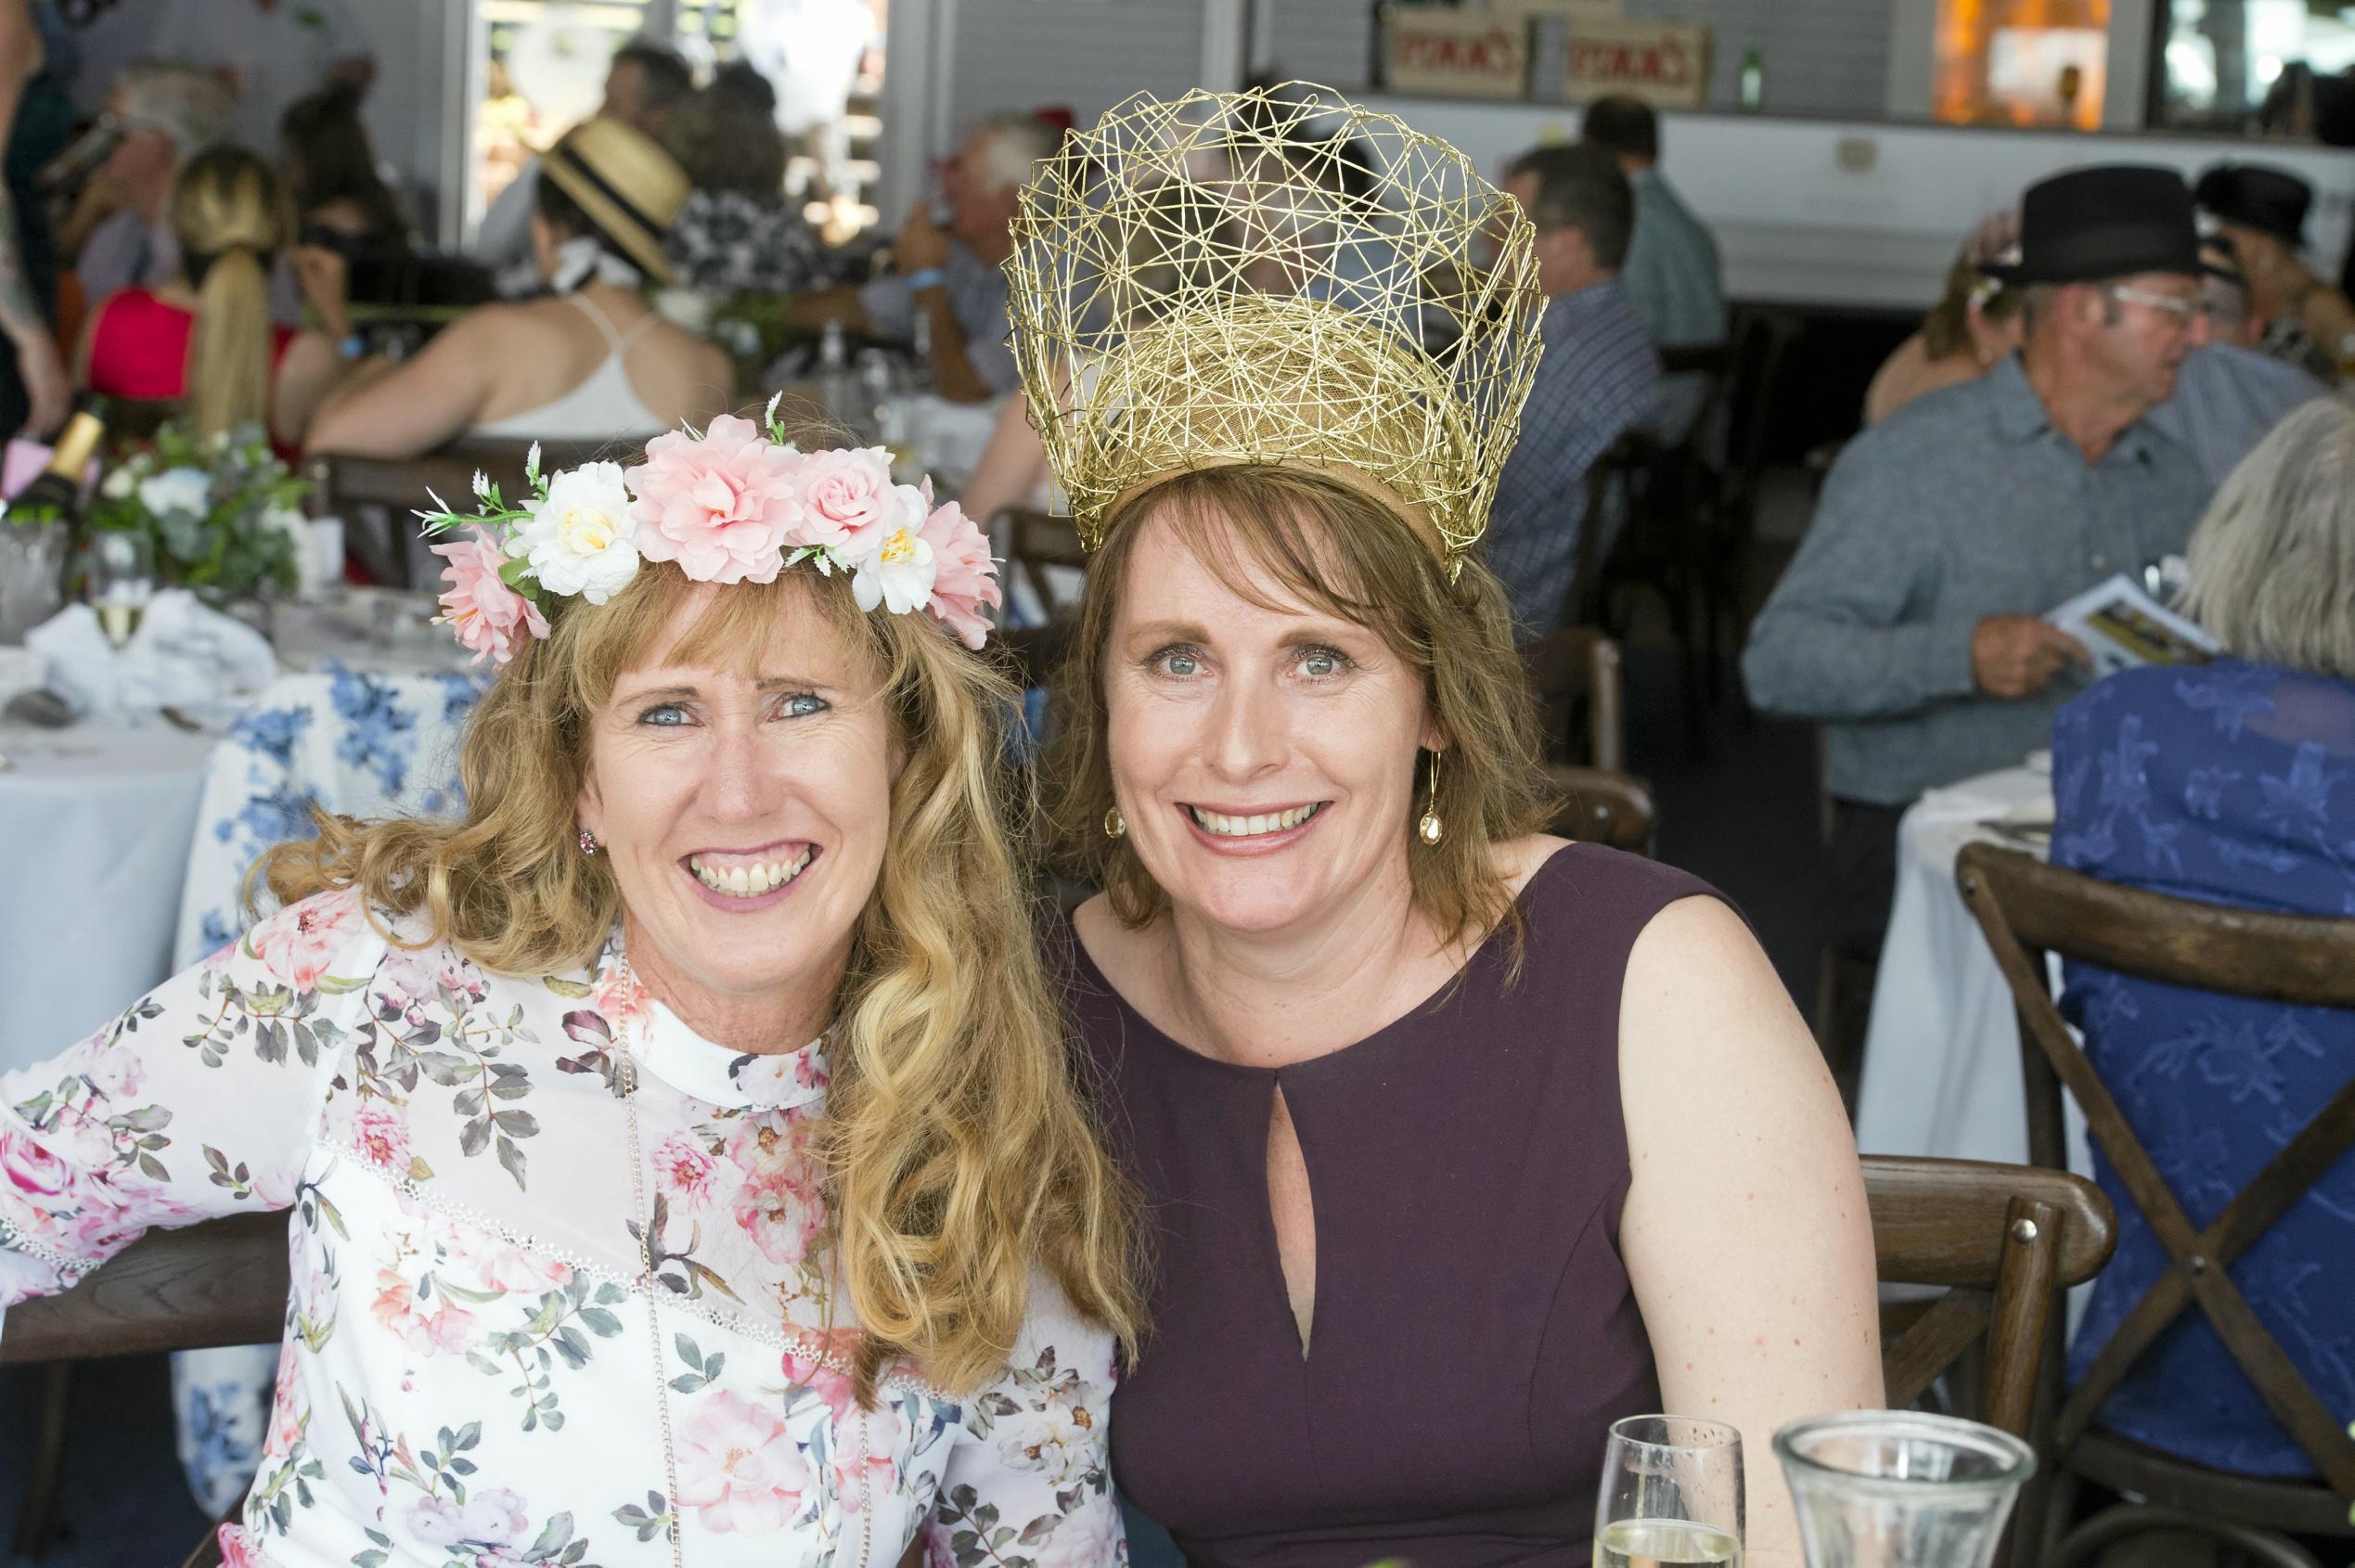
<point x="684" y="1161"/>
<point x="2231" y="783"/>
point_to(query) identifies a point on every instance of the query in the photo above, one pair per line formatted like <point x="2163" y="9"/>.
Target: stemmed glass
<point x="1670" y="1494"/>
<point x="121" y="566"/>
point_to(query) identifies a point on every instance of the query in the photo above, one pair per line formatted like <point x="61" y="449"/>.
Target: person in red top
<point x="206" y="338"/>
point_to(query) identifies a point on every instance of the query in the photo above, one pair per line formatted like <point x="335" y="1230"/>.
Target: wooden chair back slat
<point x="1602" y="807"/>
<point x="1037" y="541"/>
<point x="2002" y="1240"/>
<point x="2028" y="910"/>
<point x="1580" y="664"/>
<point x="223" y="1282"/>
<point x="353" y="488"/>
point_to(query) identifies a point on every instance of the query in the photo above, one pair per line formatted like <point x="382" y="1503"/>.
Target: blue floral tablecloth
<point x="342" y="741"/>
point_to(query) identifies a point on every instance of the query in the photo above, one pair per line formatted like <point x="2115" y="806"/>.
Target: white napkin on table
<point x="182" y="655"/>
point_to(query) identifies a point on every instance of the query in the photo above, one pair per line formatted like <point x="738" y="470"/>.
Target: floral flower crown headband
<point x="737" y="503"/>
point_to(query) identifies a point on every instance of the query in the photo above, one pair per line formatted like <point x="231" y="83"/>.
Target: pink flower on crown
<point x="487" y="615"/>
<point x="722" y="507"/>
<point x="964" y="577"/>
<point x="846" y="493"/>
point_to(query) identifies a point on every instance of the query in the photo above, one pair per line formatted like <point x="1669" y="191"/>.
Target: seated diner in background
<point x="2226" y="783"/>
<point x="330" y="167"/>
<point x="947" y="267"/>
<point x="2228" y="394"/>
<point x="2300" y="319"/>
<point x="670" y="1055"/>
<point x="1911" y="621"/>
<point x="206" y="336"/>
<point x="590" y="362"/>
<point x="1598" y="380"/>
<point x="1975" y="322"/>
<point x="1458" y="1142"/>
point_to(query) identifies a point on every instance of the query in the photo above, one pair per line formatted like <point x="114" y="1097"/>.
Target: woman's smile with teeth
<point x="748" y="879"/>
<point x="1246" y="827"/>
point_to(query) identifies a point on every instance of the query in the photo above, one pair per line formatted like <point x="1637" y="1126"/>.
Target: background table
<point x="1942" y="1050"/>
<point x="94" y="825"/>
<point x="97" y="823"/>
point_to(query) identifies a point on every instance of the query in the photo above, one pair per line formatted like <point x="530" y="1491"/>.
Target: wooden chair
<point x="1604" y="807"/>
<point x="221" y="1283"/>
<point x="1037" y="541"/>
<point x="2003" y="1241"/>
<point x="375" y="495"/>
<point x="1578" y="667"/>
<point x="2029" y="910"/>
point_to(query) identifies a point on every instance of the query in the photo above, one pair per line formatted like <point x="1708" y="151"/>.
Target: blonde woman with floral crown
<point x="684" y="1161"/>
<point x="1458" y="1142"/>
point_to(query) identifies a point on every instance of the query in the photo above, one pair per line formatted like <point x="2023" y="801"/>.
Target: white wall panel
<point x="1085" y="54"/>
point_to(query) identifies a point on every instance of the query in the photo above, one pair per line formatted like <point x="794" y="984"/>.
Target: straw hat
<point x="628" y="186"/>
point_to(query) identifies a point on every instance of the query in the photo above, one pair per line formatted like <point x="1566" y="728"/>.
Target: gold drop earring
<point x="1116" y="825"/>
<point x="1431" y="827"/>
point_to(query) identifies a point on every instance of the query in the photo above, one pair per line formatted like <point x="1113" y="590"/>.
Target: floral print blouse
<point x="469" y="1378"/>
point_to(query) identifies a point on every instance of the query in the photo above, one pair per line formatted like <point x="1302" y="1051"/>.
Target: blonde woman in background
<point x="1975" y="322"/>
<point x="206" y="336"/>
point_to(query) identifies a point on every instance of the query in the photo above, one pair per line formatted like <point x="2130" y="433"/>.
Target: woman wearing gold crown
<point x="1461" y="1141"/>
<point x="684" y="1158"/>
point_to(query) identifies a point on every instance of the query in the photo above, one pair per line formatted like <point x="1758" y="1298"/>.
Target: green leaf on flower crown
<point x="516" y="573"/>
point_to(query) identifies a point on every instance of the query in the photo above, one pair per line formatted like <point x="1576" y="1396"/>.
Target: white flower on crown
<point x="892" y="564"/>
<point x="581" y="539"/>
<point x="177" y="490"/>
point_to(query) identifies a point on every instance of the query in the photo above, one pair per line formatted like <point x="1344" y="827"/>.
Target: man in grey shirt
<point x="1671" y="274"/>
<point x="1910" y="620"/>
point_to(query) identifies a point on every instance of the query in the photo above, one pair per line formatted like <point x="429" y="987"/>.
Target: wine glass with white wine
<point x="1670" y="1494"/>
<point x="121" y="568"/>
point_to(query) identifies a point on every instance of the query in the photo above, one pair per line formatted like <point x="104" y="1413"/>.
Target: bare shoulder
<point x="1517" y="859"/>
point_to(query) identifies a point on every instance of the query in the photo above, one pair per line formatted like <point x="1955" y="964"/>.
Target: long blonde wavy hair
<point x="958" y="1143"/>
<point x="230" y="218"/>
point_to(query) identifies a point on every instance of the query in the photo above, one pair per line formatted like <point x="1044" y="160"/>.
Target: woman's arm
<point x="1744" y="1231"/>
<point x="416" y="405"/>
<point x="308" y="373"/>
<point x="1010" y="466"/>
<point x="201" y="1099"/>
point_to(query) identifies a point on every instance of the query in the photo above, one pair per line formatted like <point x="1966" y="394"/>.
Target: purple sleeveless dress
<point x="1475" y="1333"/>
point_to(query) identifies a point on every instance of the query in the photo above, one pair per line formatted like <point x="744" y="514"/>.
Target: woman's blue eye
<point x="1179" y="662"/>
<point x="1321" y="663"/>
<point x="665" y="715"/>
<point x="803" y="704"/>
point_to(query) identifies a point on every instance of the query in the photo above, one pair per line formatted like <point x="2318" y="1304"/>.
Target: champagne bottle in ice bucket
<point x="1670" y="1494"/>
<point x="1900" y="1489"/>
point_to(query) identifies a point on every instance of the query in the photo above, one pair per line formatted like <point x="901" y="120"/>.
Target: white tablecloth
<point x="1942" y="1052"/>
<point x="94" y="823"/>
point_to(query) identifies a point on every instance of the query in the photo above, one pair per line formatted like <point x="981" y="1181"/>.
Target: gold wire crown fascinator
<point x="1275" y="276"/>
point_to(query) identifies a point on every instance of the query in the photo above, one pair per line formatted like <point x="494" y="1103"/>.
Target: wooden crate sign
<point x="1662" y="63"/>
<point x="1463" y="54"/>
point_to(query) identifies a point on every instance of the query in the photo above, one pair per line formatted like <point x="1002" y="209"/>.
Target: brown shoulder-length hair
<point x="958" y="1145"/>
<point x="1336" y="548"/>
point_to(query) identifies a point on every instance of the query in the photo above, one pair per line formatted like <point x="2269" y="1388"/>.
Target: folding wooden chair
<point x="2002" y="1240"/>
<point x="2029" y="910"/>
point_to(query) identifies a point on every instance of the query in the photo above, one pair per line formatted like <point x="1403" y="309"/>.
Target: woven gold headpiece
<point x="1275" y="276"/>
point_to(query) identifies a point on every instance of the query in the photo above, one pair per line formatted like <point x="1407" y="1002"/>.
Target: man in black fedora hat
<point x="1910" y="620"/>
<point x="2301" y="317"/>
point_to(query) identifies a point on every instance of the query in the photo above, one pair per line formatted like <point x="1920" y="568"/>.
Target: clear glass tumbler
<point x="1900" y="1489"/>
